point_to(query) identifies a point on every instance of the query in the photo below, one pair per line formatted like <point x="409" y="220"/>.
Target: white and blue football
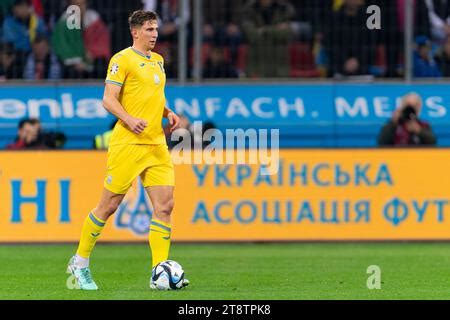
<point x="167" y="275"/>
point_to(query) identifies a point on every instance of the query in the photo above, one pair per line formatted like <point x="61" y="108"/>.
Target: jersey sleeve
<point x="117" y="70"/>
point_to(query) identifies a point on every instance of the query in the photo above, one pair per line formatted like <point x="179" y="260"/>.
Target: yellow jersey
<point x="142" y="80"/>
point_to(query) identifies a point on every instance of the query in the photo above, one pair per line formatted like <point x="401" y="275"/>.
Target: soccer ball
<point x="167" y="275"/>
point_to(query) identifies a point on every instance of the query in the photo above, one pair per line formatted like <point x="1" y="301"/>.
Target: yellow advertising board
<point x="315" y="195"/>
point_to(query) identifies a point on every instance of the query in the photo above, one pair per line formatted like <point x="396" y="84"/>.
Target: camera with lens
<point x="54" y="140"/>
<point x="408" y="114"/>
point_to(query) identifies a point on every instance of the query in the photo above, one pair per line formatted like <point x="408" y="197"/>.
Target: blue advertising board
<point x="308" y="115"/>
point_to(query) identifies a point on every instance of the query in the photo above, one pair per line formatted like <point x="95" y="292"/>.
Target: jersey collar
<point x="141" y="54"/>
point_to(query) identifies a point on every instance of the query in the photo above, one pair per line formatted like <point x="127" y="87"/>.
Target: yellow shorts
<point x="127" y="161"/>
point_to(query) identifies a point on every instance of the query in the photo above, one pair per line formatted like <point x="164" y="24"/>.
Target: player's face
<point x="148" y="34"/>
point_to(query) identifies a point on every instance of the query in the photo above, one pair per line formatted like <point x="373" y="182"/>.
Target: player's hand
<point x="174" y="121"/>
<point x="136" y="125"/>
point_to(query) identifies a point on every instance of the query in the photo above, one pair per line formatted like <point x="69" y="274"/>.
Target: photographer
<point x="31" y="136"/>
<point x="405" y="128"/>
<point x="26" y="135"/>
<point x="46" y="139"/>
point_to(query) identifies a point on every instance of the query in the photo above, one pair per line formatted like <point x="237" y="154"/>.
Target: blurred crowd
<point x="241" y="38"/>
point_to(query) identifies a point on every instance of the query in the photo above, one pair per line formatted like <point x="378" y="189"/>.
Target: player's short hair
<point x="139" y="17"/>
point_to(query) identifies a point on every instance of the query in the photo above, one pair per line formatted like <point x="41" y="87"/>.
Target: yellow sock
<point x="159" y="239"/>
<point x="92" y="228"/>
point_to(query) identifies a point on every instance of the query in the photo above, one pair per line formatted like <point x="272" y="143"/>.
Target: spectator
<point x="217" y="66"/>
<point x="7" y="57"/>
<point x="26" y="136"/>
<point x="115" y="14"/>
<point x="5" y="6"/>
<point x="389" y="41"/>
<point x="52" y="11"/>
<point x="421" y="17"/>
<point x="169" y="23"/>
<point x="443" y="58"/>
<point x="439" y="15"/>
<point x="169" y="19"/>
<point x="348" y="41"/>
<point x="424" y="63"/>
<point x="38" y="7"/>
<point x="405" y="128"/>
<point x="42" y="63"/>
<point x="22" y="27"/>
<point x="30" y="136"/>
<point x="84" y="51"/>
<point x="39" y="141"/>
<point x="311" y="16"/>
<point x="266" y="24"/>
<point x="422" y="23"/>
<point x="221" y="23"/>
<point x="47" y="139"/>
<point x="390" y="37"/>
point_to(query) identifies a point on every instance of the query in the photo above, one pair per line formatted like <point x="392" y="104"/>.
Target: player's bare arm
<point x="112" y="104"/>
<point x="174" y="120"/>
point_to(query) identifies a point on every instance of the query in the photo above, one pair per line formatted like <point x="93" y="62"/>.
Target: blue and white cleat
<point x="82" y="276"/>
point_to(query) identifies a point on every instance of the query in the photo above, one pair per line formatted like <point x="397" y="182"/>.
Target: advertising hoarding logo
<point x="135" y="212"/>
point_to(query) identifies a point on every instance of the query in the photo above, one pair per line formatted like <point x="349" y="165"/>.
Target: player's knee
<point x="109" y="209"/>
<point x="166" y="208"/>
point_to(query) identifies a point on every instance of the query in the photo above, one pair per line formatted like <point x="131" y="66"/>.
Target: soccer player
<point x="134" y="93"/>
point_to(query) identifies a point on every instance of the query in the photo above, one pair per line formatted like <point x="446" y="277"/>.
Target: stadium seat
<point x="206" y="50"/>
<point x="241" y="62"/>
<point x="302" y="61"/>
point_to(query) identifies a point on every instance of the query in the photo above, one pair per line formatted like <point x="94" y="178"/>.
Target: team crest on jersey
<point x="135" y="211"/>
<point x="156" y="78"/>
<point x="114" y="68"/>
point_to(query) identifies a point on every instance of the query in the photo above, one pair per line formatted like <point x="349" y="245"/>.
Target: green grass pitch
<point x="297" y="271"/>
